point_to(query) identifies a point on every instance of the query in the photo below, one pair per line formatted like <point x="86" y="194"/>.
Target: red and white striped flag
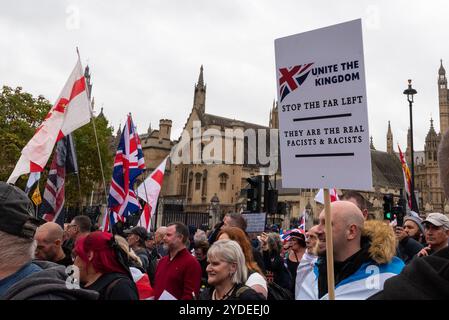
<point x="407" y="178"/>
<point x="332" y="193"/>
<point x="71" y="111"/>
<point x="149" y="192"/>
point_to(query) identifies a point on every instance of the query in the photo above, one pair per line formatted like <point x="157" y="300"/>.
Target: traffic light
<point x="251" y="201"/>
<point x="254" y="194"/>
<point x="388" y="207"/>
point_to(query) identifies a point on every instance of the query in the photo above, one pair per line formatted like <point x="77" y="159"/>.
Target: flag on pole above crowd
<point x="332" y="193"/>
<point x="64" y="162"/>
<point x="407" y="178"/>
<point x="71" y="111"/>
<point x="128" y="165"/>
<point x="149" y="192"/>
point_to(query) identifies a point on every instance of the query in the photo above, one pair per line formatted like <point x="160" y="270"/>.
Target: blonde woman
<point x="227" y="273"/>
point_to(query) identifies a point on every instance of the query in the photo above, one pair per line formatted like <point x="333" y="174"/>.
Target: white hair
<point x="200" y="235"/>
<point x="230" y="252"/>
<point x="15" y="251"/>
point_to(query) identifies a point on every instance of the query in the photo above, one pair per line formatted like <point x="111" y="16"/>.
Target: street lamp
<point x="410" y="92"/>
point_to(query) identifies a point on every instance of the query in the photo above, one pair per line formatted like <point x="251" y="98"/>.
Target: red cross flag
<point x="71" y="111"/>
<point x="319" y="197"/>
<point x="149" y="192"/>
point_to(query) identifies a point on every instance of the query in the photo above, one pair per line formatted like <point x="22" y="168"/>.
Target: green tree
<point x="20" y="115"/>
<point x="88" y="161"/>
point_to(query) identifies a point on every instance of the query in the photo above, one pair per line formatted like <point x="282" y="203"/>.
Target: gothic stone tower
<point x="389" y="140"/>
<point x="427" y="179"/>
<point x="443" y="99"/>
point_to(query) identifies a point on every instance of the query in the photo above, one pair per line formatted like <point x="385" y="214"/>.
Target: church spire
<point x="389" y="140"/>
<point x="199" y="98"/>
<point x="200" y="78"/>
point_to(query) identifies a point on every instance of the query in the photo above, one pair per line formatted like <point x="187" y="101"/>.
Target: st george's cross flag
<point x="319" y="197"/>
<point x="71" y="111"/>
<point x="149" y="191"/>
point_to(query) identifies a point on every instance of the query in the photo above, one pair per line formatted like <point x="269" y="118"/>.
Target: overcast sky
<point x="145" y="55"/>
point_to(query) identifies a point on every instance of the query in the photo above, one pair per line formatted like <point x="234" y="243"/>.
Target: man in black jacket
<point x="136" y="239"/>
<point x="408" y="247"/>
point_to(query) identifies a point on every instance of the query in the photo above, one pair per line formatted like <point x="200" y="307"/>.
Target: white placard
<point x="323" y="120"/>
<point x="255" y="222"/>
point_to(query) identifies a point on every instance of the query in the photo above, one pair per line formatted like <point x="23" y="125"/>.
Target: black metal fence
<point x="196" y="219"/>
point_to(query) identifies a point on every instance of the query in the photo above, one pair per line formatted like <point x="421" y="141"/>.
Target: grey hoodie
<point x="48" y="284"/>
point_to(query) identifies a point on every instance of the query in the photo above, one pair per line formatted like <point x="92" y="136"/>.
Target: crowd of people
<point x="372" y="259"/>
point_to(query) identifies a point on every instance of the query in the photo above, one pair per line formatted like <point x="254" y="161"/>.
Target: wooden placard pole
<point x="329" y="246"/>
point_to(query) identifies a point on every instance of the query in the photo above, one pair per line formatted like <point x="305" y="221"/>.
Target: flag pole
<point x="95" y="133"/>
<point x="72" y="149"/>
<point x="329" y="246"/>
<point x="144" y="172"/>
<point x="37" y="204"/>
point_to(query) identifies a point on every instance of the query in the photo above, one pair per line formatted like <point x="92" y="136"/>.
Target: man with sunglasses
<point x="78" y="227"/>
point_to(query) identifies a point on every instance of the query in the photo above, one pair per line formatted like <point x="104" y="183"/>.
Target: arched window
<point x="184" y="177"/>
<point x="223" y="181"/>
<point x="190" y="184"/>
<point x="204" y="191"/>
<point x="197" y="181"/>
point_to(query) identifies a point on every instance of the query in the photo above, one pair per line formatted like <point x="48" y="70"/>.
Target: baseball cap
<point x="141" y="232"/>
<point x="299" y="236"/>
<point x="417" y="220"/>
<point x="17" y="215"/>
<point x="438" y="219"/>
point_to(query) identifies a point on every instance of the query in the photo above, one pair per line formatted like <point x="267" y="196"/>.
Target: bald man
<point x="158" y="236"/>
<point x="49" y="238"/>
<point x="359" y="270"/>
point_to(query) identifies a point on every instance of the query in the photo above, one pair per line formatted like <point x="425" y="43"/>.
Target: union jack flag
<point x="291" y="78"/>
<point x="128" y="165"/>
<point x="64" y="162"/>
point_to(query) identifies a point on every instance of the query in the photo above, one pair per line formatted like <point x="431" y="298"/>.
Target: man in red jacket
<point x="178" y="273"/>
